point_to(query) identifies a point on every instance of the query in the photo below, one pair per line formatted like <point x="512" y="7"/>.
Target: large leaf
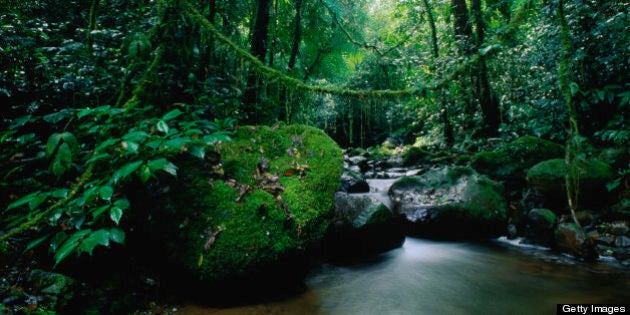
<point x="172" y="114"/>
<point x="106" y="192"/>
<point x="115" y="213"/>
<point x="125" y="171"/>
<point x="24" y="200"/>
<point x="96" y="238"/>
<point x="53" y="142"/>
<point x="163" y="164"/>
<point x="62" y="160"/>
<point x="117" y="235"/>
<point x="162" y="126"/>
<point x="70" y="245"/>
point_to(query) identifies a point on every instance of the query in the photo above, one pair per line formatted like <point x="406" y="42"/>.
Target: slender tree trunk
<point x="573" y="144"/>
<point x="448" y="130"/>
<point x="260" y="32"/>
<point x="461" y="26"/>
<point x="297" y="34"/>
<point x="487" y="100"/>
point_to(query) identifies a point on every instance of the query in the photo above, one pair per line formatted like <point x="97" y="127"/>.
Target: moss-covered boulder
<point x="450" y="202"/>
<point x="540" y="226"/>
<point x="512" y="159"/>
<point x="274" y="199"/>
<point x="363" y="226"/>
<point x="548" y="178"/>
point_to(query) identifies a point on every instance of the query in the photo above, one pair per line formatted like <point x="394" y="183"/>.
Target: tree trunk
<point x="252" y="111"/>
<point x="461" y="26"/>
<point x="487" y="101"/>
<point x="297" y="34"/>
<point x="448" y="129"/>
<point x="573" y="144"/>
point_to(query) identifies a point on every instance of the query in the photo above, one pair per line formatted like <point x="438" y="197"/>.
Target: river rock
<point x="353" y="182"/>
<point x="571" y="239"/>
<point x="540" y="227"/>
<point x="252" y="226"/>
<point x="511" y="160"/>
<point x="363" y="226"/>
<point x="451" y="203"/>
<point x="548" y="180"/>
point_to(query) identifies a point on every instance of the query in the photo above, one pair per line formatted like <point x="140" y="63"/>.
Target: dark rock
<point x="622" y="242"/>
<point x="512" y="231"/>
<point x="540" y="227"/>
<point x="571" y="239"/>
<point x="352" y="182"/>
<point x="511" y="160"/>
<point x="548" y="179"/>
<point x="363" y="226"/>
<point x="450" y="203"/>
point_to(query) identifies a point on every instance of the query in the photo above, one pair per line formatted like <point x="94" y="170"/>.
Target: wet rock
<point x="540" y="226"/>
<point x="511" y="160"/>
<point x="548" y="179"/>
<point x="353" y="182"/>
<point x="622" y="242"/>
<point x="571" y="239"/>
<point x="363" y="226"/>
<point x="225" y="237"/>
<point x="450" y="203"/>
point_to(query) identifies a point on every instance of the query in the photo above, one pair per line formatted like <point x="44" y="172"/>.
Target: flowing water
<point x="428" y="277"/>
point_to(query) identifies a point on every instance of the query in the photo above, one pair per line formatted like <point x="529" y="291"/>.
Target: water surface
<point x="428" y="277"/>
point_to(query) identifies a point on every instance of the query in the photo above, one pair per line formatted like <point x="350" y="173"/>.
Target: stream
<point x="431" y="277"/>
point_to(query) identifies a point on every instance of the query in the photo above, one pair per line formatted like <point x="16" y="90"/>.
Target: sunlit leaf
<point x="115" y="213"/>
<point x="162" y="126"/>
<point x="106" y="192"/>
<point x="96" y="238"/>
<point x="172" y="114"/>
<point x="145" y="173"/>
<point x="126" y="170"/>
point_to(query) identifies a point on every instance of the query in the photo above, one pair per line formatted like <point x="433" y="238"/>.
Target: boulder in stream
<point x="363" y="226"/>
<point x="252" y="226"/>
<point x="450" y="202"/>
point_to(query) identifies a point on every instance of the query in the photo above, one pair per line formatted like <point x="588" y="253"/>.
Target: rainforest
<point x="314" y="156"/>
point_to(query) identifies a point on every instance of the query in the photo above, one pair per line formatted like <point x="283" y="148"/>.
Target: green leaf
<point x="575" y="88"/>
<point x="172" y="114"/>
<point x="219" y="136"/>
<point x="71" y="140"/>
<point x="34" y="203"/>
<point x="171" y="169"/>
<point x="117" y="235"/>
<point x="162" y="126"/>
<point x="62" y="161"/>
<point x="145" y="173"/>
<point x="157" y="164"/>
<point x="126" y="170"/>
<point x="105" y="144"/>
<point x="122" y="203"/>
<point x="98" y="237"/>
<point x="60" y="193"/>
<point x="115" y="213"/>
<point x="34" y="243"/>
<point x="131" y="147"/>
<point x="102" y="156"/>
<point x="613" y="185"/>
<point x="24" y="200"/>
<point x="99" y="211"/>
<point x="106" y="192"/>
<point x="197" y="151"/>
<point x="53" y="142"/>
<point x="136" y="136"/>
<point x="176" y="144"/>
<point x="70" y="245"/>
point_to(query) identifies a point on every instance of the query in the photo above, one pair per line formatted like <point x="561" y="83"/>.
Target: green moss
<point x="548" y="176"/>
<point x="258" y="228"/>
<point x="381" y="215"/>
<point x="512" y="159"/>
<point x="547" y="214"/>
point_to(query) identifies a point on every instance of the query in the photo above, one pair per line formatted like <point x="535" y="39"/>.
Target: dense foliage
<point x="99" y="95"/>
